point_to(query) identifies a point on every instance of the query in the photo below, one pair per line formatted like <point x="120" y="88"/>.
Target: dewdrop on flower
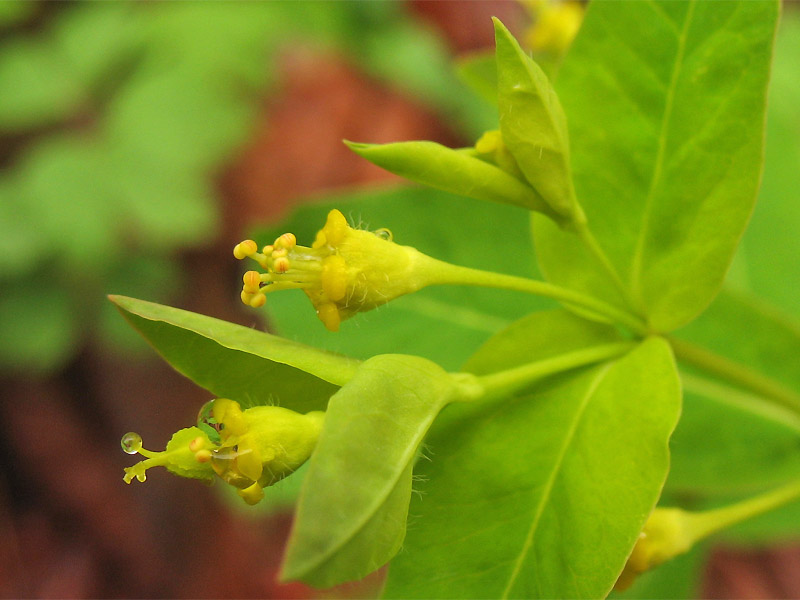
<point x="248" y="449"/>
<point x="345" y="271"/>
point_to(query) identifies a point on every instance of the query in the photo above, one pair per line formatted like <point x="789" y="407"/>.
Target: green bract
<point x="541" y="461"/>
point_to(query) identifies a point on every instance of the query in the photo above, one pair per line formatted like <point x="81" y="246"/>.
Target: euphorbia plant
<point x="549" y="448"/>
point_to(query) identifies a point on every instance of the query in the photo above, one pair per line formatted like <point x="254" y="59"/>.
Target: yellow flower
<point x="345" y="270"/>
<point x="248" y="449"/>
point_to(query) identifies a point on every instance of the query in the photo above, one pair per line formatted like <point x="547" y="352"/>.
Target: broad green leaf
<point x="533" y="124"/>
<point x="14" y="11"/>
<point x="766" y="263"/>
<point x="444" y="323"/>
<point x="351" y="516"/>
<point x="538" y="336"/>
<point x="63" y="183"/>
<point x="479" y="71"/>
<point x="542" y="495"/>
<point x="666" y="127"/>
<point x="455" y="171"/>
<point x="37" y="88"/>
<point x="231" y="361"/>
<point x="730" y="441"/>
<point x="769" y="345"/>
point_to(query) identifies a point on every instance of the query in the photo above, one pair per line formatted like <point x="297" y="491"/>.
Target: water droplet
<point x="131" y="442"/>
<point x="384" y="234"/>
<point x="205" y="415"/>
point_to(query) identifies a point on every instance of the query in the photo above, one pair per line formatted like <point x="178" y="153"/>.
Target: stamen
<point x="245" y="249"/>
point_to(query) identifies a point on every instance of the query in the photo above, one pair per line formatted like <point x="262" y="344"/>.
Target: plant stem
<point x="735" y="373"/>
<point x="511" y="380"/>
<point x="457" y="275"/>
<point x="705" y="523"/>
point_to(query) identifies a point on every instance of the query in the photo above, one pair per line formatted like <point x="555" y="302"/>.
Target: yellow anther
<point x="245" y="249"/>
<point x="329" y="315"/>
<point x="287" y="240"/>
<point x="252" y="282"/>
<point x="268" y="249"/>
<point x="334" y="277"/>
<point x="258" y="300"/>
<point x="281" y="264"/>
<point x="246" y="297"/>
<point x="197" y="443"/>
<point x="202" y="456"/>
<point x="279" y="253"/>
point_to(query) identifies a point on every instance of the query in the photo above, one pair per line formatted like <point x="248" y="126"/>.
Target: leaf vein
<point x="548" y="488"/>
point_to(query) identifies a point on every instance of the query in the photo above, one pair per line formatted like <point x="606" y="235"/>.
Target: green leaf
<point x="238" y="362"/>
<point x="542" y="496"/>
<point x="666" y="126"/>
<point x="14" y="11"/>
<point x="443" y="323"/>
<point x="64" y="185"/>
<point x="767" y="257"/>
<point x="770" y="345"/>
<point x="38" y="331"/>
<point x="539" y="336"/>
<point x="455" y="171"/>
<point x="533" y="124"/>
<point x="731" y="440"/>
<point x="351" y="517"/>
<point x="37" y="88"/>
<point x="479" y="71"/>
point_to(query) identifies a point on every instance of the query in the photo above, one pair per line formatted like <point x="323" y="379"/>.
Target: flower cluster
<point x="345" y="270"/>
<point x="248" y="449"/>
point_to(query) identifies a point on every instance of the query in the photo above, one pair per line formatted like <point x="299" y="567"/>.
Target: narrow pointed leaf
<point x="666" y="127"/>
<point x="249" y="366"/>
<point x="351" y="517"/>
<point x="573" y="471"/>
<point x="533" y="124"/>
<point x="456" y="171"/>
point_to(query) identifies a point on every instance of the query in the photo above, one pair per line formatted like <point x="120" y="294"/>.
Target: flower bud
<point x="665" y="536"/>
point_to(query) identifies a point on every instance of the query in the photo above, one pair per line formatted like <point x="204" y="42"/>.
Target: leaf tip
<point x="358" y="147"/>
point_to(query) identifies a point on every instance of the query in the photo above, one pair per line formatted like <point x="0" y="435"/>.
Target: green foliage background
<point x="118" y="118"/>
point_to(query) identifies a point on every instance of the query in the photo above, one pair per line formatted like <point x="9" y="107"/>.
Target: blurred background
<point x="139" y="142"/>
